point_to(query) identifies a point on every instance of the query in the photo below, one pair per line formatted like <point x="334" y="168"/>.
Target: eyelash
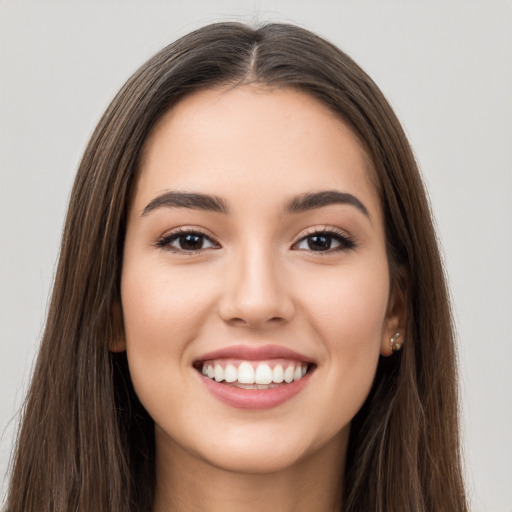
<point x="165" y="241"/>
<point x="345" y="241"/>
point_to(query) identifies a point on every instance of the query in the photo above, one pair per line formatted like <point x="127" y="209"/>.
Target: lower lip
<point x="254" y="399"/>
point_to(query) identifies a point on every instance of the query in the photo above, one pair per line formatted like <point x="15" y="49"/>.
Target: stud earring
<point x="395" y="347"/>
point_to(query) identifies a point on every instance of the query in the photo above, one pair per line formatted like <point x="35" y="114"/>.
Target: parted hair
<point x="86" y="443"/>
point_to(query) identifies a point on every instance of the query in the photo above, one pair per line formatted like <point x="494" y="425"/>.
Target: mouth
<point x="254" y="374"/>
<point x="245" y="374"/>
<point x="254" y="378"/>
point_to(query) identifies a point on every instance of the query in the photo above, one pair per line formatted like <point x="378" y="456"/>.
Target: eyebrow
<point x="311" y="201"/>
<point x="195" y="201"/>
<point x="298" y="204"/>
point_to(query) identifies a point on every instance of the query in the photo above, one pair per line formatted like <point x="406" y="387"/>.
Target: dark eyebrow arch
<point x="311" y="201"/>
<point x="193" y="200"/>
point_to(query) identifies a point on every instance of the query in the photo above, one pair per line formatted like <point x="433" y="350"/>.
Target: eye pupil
<point x="319" y="242"/>
<point x="191" y="241"/>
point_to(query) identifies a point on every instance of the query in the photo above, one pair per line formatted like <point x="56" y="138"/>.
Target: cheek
<point x="350" y="307"/>
<point x="163" y="312"/>
<point x="160" y="306"/>
<point x="348" y="320"/>
<point x="350" y="325"/>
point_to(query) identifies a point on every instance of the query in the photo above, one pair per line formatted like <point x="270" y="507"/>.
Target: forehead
<point x="227" y="139"/>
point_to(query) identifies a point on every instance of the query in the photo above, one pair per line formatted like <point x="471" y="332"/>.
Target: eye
<point x="187" y="241"/>
<point x="325" y="241"/>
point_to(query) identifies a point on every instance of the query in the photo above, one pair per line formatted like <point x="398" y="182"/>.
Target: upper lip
<point x="252" y="353"/>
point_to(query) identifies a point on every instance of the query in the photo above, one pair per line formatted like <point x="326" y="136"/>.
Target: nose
<point x="256" y="294"/>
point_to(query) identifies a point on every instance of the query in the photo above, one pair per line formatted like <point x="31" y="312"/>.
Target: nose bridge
<point x="255" y="291"/>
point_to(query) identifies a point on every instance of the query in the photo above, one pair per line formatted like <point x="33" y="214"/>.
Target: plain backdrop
<point x="445" y="66"/>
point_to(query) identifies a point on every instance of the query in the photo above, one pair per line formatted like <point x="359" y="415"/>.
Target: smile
<point x="253" y="374"/>
<point x="254" y="378"/>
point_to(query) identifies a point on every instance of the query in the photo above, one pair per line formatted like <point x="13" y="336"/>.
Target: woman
<point x="250" y="309"/>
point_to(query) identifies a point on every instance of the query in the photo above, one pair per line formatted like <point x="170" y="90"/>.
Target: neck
<point x="186" y="483"/>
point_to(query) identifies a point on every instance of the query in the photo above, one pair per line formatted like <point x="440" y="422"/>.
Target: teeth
<point x="263" y="374"/>
<point x="259" y="376"/>
<point x="219" y="373"/>
<point x="230" y="373"/>
<point x="245" y="373"/>
<point x="278" y="374"/>
<point x="288" y="374"/>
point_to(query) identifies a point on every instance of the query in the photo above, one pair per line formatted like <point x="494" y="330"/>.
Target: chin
<point x="255" y="461"/>
<point x="263" y="450"/>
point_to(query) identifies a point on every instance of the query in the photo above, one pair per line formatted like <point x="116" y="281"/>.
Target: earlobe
<point x="117" y="341"/>
<point x="396" y="343"/>
<point x="391" y="344"/>
<point x="393" y="332"/>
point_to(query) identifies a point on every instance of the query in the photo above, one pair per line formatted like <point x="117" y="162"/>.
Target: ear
<point x="117" y="341"/>
<point x="396" y="316"/>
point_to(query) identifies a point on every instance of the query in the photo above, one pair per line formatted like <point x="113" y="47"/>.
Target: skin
<point x="255" y="281"/>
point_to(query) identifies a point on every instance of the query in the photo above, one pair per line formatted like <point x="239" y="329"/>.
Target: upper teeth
<point x="254" y="373"/>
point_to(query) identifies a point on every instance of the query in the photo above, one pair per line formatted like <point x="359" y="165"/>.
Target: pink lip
<point x="254" y="399"/>
<point x="250" y="353"/>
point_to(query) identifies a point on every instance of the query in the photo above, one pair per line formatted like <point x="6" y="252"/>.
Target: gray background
<point x="445" y="66"/>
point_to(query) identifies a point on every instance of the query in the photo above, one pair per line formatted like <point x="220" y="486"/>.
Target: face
<point x="255" y="282"/>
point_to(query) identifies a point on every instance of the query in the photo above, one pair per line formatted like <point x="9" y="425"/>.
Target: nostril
<point x="253" y="322"/>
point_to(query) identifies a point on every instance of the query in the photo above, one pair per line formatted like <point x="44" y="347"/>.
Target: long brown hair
<point x="86" y="443"/>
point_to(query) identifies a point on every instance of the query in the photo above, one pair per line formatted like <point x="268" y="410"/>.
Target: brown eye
<point x="187" y="241"/>
<point x="325" y="241"/>
<point x="190" y="242"/>
<point x="319" y="242"/>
